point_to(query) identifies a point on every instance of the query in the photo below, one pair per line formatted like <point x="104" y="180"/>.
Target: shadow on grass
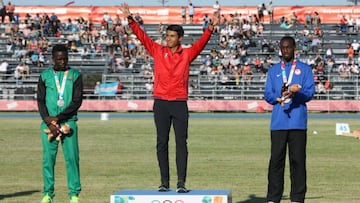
<point x="18" y="194"/>
<point x="254" y="199"/>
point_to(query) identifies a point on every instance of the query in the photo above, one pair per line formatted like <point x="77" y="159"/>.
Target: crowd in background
<point x="29" y="40"/>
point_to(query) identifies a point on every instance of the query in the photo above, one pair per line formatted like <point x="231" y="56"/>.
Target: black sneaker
<point x="163" y="188"/>
<point x="181" y="188"/>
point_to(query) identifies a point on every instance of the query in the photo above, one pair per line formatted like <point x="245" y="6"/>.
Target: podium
<point x="154" y="196"/>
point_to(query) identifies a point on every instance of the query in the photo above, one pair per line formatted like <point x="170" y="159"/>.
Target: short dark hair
<point x="291" y="39"/>
<point x="177" y="28"/>
<point x="59" y="47"/>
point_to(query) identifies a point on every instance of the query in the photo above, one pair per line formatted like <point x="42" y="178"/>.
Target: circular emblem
<point x="297" y="71"/>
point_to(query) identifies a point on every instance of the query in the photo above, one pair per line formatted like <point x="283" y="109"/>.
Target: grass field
<point x="224" y="153"/>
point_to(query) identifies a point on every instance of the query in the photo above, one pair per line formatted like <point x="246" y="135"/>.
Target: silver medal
<point x="60" y="102"/>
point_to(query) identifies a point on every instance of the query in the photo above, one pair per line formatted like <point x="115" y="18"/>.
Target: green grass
<point x="224" y="153"/>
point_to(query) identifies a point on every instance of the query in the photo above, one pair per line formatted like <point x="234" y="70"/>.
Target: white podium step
<point x="153" y="196"/>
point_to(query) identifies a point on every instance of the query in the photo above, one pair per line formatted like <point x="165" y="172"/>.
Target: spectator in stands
<point x="183" y="14"/>
<point x="329" y="53"/>
<point x="354" y="70"/>
<point x="4" y="68"/>
<point x="216" y="61"/>
<point x="350" y="24"/>
<point x="316" y="20"/>
<point x="267" y="64"/>
<point x="308" y="19"/>
<point x="355" y="44"/>
<point x="294" y="18"/>
<point x="235" y="61"/>
<point x="315" y="43"/>
<point x="357" y="24"/>
<point x="58" y="103"/>
<point x="160" y="29"/>
<point x="288" y="125"/>
<point x="216" y="7"/>
<point x="284" y="23"/>
<point x="350" y="53"/>
<point x="344" y="70"/>
<point x="224" y="41"/>
<point x="265" y="45"/>
<point x="330" y="65"/>
<point x="243" y="55"/>
<point x="53" y="17"/>
<point x="191" y="12"/>
<point x="10" y="9"/>
<point x="206" y="21"/>
<point x="318" y="31"/>
<point x="258" y="65"/>
<point x="21" y="72"/>
<point x="3" y="13"/>
<point x="358" y="59"/>
<point x="84" y="53"/>
<point x="208" y="61"/>
<point x="343" y="24"/>
<point x="223" y="20"/>
<point x="247" y="74"/>
<point x="270" y="10"/>
<point x="311" y="61"/>
<point x="171" y="62"/>
<point x="261" y="10"/>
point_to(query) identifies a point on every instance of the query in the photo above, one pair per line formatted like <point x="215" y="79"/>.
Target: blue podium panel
<point x="153" y="196"/>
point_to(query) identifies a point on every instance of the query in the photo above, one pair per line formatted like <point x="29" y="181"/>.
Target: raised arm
<point x="124" y="8"/>
<point x="215" y="19"/>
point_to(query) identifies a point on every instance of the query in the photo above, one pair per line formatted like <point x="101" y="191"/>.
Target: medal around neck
<point x="60" y="103"/>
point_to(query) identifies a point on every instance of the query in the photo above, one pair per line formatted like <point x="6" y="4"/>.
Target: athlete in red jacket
<point x="171" y="76"/>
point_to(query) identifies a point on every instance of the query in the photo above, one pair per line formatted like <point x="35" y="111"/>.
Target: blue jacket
<point x="293" y="115"/>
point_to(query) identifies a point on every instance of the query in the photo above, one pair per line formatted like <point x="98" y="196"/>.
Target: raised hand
<point x="215" y="19"/>
<point x="124" y="8"/>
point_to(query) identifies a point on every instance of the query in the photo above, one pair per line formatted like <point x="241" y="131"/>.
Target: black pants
<point x="296" y="142"/>
<point x="165" y="114"/>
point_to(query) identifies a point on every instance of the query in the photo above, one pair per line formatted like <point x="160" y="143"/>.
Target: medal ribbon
<point x="285" y="80"/>
<point x="61" y="88"/>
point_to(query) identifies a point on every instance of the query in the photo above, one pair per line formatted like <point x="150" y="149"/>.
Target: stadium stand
<point x="104" y="61"/>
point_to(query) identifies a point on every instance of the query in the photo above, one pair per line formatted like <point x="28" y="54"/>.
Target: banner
<point x="108" y="89"/>
<point x="172" y="14"/>
<point x="194" y="105"/>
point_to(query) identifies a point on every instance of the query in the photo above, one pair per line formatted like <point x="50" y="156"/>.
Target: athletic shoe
<point x="74" y="199"/>
<point x="46" y="199"/>
<point x="181" y="188"/>
<point x="163" y="188"/>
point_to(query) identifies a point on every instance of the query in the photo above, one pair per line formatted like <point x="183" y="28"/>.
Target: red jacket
<point x="171" y="70"/>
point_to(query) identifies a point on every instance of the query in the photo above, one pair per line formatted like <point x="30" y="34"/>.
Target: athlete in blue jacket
<point x="289" y="85"/>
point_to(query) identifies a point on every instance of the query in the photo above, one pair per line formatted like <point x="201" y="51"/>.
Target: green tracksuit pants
<point x="70" y="149"/>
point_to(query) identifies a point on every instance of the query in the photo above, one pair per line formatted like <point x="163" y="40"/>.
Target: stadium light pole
<point x="163" y="2"/>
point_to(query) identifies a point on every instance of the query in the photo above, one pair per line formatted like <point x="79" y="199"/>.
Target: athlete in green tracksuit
<point x="59" y="97"/>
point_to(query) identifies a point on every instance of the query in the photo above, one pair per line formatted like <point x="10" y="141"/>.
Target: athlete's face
<point x="60" y="60"/>
<point x="172" y="39"/>
<point x="287" y="50"/>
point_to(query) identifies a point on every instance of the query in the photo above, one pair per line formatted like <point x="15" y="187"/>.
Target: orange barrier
<point x="194" y="105"/>
<point x="172" y="14"/>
